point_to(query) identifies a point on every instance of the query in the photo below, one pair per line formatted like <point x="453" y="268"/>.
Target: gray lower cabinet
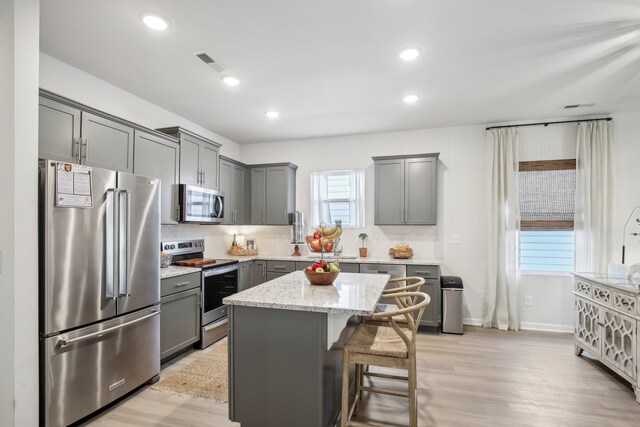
<point x="232" y="183"/>
<point x="349" y="267"/>
<point x="431" y="274"/>
<point x="273" y="191"/>
<point x="158" y="157"/>
<point x="67" y="133"/>
<point x="405" y="190"/>
<point x="245" y="275"/>
<point x="259" y="272"/>
<point x="198" y="158"/>
<point x="277" y="269"/>
<point x="180" y="313"/>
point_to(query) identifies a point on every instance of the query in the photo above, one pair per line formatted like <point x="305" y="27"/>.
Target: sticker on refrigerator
<point x="73" y="186"/>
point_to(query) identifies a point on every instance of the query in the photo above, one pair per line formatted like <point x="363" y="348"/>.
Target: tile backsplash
<point x="274" y="240"/>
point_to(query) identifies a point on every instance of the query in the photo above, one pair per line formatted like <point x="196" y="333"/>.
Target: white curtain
<point x="501" y="295"/>
<point x="319" y="209"/>
<point x="593" y="191"/>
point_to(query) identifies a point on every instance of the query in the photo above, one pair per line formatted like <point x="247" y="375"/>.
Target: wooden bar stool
<point x="411" y="284"/>
<point x="388" y="346"/>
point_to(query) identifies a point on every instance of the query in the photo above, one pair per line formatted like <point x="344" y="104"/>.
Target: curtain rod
<point x="550" y="123"/>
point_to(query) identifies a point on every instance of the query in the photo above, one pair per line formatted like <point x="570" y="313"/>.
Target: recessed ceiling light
<point x="272" y="114"/>
<point x="410" y="53"/>
<point x="231" y="81"/>
<point x="155" y="22"/>
<point x="410" y="99"/>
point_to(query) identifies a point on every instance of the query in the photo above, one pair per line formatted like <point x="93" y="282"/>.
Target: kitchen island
<point x="285" y="347"/>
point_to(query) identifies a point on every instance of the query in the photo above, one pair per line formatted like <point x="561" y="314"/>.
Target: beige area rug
<point x="205" y="377"/>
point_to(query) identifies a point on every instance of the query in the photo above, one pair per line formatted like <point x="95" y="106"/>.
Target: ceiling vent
<point x="573" y="106"/>
<point x="204" y="57"/>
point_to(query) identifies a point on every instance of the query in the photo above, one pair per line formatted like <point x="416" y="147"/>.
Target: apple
<point x="319" y="270"/>
<point x="328" y="246"/>
<point x="325" y="265"/>
<point x="309" y="239"/>
<point x="333" y="268"/>
<point x="316" y="265"/>
<point x="315" y="245"/>
<point x="317" y="235"/>
<point x="309" y="268"/>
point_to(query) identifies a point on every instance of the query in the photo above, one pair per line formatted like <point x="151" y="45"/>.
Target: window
<point x="337" y="195"/>
<point x="547" y="205"/>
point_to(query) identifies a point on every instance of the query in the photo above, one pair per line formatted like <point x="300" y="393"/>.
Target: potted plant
<point x="363" y="250"/>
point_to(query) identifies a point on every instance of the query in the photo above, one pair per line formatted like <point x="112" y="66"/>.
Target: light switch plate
<point x="454" y="239"/>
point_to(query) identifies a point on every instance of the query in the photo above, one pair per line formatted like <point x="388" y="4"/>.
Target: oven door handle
<point x="219" y="271"/>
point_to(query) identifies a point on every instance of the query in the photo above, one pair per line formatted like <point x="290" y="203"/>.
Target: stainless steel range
<point x="219" y="280"/>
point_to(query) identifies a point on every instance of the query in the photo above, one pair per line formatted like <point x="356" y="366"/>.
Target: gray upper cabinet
<point x="157" y="156"/>
<point x="258" y="180"/>
<point x="273" y="190"/>
<point x="58" y="131"/>
<point x="232" y="183"/>
<point x="106" y="144"/>
<point x="198" y="158"/>
<point x="406" y="190"/>
<point x="68" y="133"/>
<point x="189" y="161"/>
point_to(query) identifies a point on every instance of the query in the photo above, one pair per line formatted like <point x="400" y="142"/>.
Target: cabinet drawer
<point x="272" y="275"/>
<point x="425" y="271"/>
<point x="583" y="287"/>
<point x="625" y="303"/>
<point x="175" y="284"/>
<point x="602" y="295"/>
<point x="281" y="266"/>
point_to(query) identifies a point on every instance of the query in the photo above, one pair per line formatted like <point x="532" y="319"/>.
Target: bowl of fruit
<point x="324" y="239"/>
<point x="322" y="272"/>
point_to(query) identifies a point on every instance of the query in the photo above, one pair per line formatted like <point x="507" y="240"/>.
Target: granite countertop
<point x="176" y="270"/>
<point x="358" y="260"/>
<point x="622" y="283"/>
<point x="351" y="293"/>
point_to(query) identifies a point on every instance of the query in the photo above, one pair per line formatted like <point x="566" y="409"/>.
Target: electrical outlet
<point x="528" y="301"/>
<point x="454" y="239"/>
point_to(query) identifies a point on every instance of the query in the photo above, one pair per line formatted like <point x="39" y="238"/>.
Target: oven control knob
<point x="166" y="247"/>
<point x="173" y="246"/>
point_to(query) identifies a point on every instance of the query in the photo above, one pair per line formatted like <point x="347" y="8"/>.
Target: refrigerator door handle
<point x="63" y="342"/>
<point x="111" y="270"/>
<point x="125" y="243"/>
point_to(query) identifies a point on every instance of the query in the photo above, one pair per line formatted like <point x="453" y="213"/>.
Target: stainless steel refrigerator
<point x="99" y="288"/>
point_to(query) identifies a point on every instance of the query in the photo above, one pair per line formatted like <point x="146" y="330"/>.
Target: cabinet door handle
<point x="426" y="273"/>
<point x="76" y="150"/>
<point x="178" y="285"/>
<point x="382" y="272"/>
<point x="279" y="267"/>
<point x="203" y="178"/>
<point x="85" y="150"/>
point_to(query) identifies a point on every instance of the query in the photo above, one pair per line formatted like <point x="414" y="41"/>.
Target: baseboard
<point x="547" y="327"/>
<point x="471" y="321"/>
<point x="529" y="326"/>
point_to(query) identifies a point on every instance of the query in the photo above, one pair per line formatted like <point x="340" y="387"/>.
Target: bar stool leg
<point x="413" y="394"/>
<point x="358" y="391"/>
<point x="345" y="389"/>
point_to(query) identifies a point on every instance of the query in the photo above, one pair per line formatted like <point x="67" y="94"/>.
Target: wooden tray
<point x="196" y="262"/>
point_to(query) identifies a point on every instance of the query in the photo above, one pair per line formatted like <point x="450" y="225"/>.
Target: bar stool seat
<point x="380" y="340"/>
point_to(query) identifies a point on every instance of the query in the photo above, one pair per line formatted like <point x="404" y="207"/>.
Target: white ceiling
<point x="330" y="66"/>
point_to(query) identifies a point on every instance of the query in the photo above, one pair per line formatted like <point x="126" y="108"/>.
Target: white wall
<point x="19" y="32"/>
<point x="461" y="202"/>
<point x="73" y="83"/>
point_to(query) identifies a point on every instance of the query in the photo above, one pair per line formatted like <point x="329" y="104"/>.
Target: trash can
<point x="451" y="304"/>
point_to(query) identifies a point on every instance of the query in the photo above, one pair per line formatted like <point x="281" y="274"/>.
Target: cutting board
<point x="197" y="262"/>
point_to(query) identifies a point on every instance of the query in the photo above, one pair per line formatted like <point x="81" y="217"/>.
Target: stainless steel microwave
<point x="201" y="205"/>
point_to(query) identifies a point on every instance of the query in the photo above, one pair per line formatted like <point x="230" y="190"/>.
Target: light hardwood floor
<point x="482" y="378"/>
